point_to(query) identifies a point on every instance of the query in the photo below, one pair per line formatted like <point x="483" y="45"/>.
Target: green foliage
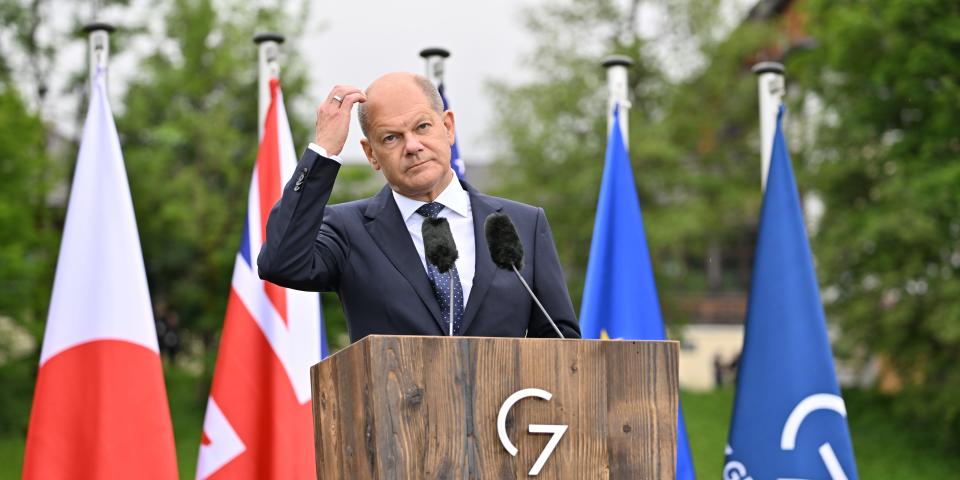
<point x="27" y="241"/>
<point x="692" y="143"/>
<point x="187" y="394"/>
<point x="20" y="20"/>
<point x="699" y="174"/>
<point x="17" y="377"/>
<point x="886" y="162"/>
<point x="189" y="133"/>
<point x="553" y="127"/>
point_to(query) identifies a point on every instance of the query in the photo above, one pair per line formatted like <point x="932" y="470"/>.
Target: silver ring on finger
<point x="338" y="99"/>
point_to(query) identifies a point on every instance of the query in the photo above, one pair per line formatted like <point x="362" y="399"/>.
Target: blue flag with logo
<point x="789" y="421"/>
<point x="620" y="297"/>
<point x="455" y="161"/>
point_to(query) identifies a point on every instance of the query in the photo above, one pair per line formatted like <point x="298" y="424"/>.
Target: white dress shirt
<point x="323" y="153"/>
<point x="457" y="211"/>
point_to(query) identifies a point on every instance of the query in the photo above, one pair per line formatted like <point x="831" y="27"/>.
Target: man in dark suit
<point x="371" y="251"/>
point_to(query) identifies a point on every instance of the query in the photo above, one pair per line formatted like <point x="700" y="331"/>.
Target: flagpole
<point x="268" y="66"/>
<point x="771" y="87"/>
<point x="617" y="80"/>
<point x="434" y="59"/>
<point x="99" y="41"/>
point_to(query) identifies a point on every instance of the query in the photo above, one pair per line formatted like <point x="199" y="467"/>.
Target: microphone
<point x="507" y="253"/>
<point x="440" y="250"/>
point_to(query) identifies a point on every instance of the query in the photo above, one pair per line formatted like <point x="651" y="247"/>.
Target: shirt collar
<point x="453" y="197"/>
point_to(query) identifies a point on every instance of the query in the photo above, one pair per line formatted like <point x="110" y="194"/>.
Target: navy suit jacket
<point x="363" y="251"/>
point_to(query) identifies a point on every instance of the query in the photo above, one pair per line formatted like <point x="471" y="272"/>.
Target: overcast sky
<point x="347" y="42"/>
<point x="361" y="39"/>
<point x="355" y="41"/>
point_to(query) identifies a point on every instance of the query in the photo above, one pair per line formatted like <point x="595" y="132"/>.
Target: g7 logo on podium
<point x="556" y="430"/>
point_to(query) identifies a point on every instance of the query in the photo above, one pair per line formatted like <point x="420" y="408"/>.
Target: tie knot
<point x="430" y="210"/>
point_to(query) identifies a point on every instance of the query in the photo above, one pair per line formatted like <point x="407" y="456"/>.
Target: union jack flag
<point x="258" y="422"/>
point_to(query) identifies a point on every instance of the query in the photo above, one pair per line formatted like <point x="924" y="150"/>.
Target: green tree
<point x="553" y="127"/>
<point x="692" y="140"/>
<point x="704" y="177"/>
<point x="27" y="250"/>
<point x="189" y="133"/>
<point x="886" y="161"/>
<point x="26" y="237"/>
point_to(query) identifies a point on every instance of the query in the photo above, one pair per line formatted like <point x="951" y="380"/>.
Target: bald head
<point x="394" y="86"/>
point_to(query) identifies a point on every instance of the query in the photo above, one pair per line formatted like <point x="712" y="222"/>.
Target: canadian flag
<point x="100" y="407"/>
<point x="258" y="422"/>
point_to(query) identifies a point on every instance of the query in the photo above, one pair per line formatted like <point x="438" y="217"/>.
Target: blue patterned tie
<point x="441" y="281"/>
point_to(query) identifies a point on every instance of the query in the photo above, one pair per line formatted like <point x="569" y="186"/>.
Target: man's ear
<point x="368" y="151"/>
<point x="449" y="123"/>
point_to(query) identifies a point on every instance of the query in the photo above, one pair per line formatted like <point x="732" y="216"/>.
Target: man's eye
<point x="423" y="126"/>
<point x="389" y="138"/>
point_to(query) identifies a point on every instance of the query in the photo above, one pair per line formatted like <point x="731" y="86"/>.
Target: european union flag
<point x="789" y="420"/>
<point x="455" y="161"/>
<point x="620" y="297"/>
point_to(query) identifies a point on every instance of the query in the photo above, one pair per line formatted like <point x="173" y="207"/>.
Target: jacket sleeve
<point x="550" y="286"/>
<point x="305" y="246"/>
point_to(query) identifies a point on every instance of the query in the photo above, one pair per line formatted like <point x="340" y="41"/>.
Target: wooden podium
<point x="407" y="407"/>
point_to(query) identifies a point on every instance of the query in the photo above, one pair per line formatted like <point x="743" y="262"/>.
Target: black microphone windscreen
<point x="438" y="244"/>
<point x="504" y="242"/>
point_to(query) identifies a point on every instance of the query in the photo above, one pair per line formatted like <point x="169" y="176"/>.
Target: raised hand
<point x="333" y="117"/>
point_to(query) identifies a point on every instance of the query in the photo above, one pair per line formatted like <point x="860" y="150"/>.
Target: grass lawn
<point x="11" y="457"/>
<point x="188" y="401"/>
<point x="885" y="448"/>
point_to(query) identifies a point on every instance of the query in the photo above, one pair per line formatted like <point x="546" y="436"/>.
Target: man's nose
<point x="413" y="145"/>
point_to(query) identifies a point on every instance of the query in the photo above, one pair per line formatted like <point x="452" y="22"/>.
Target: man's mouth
<point x="418" y="164"/>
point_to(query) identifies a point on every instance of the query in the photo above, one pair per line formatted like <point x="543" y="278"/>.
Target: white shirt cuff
<point x="323" y="153"/>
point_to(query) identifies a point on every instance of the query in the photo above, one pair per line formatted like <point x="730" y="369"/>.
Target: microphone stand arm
<point x="534" y="297"/>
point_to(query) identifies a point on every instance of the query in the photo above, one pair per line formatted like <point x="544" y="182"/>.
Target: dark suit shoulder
<point x="510" y="205"/>
<point x="521" y="213"/>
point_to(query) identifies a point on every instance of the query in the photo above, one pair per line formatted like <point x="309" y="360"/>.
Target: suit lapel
<point x="388" y="230"/>
<point x="482" y="206"/>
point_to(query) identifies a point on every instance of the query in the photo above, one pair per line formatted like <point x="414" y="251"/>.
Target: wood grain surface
<point x="408" y="407"/>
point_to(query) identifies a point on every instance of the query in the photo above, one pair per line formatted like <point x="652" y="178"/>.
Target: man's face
<point x="408" y="140"/>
